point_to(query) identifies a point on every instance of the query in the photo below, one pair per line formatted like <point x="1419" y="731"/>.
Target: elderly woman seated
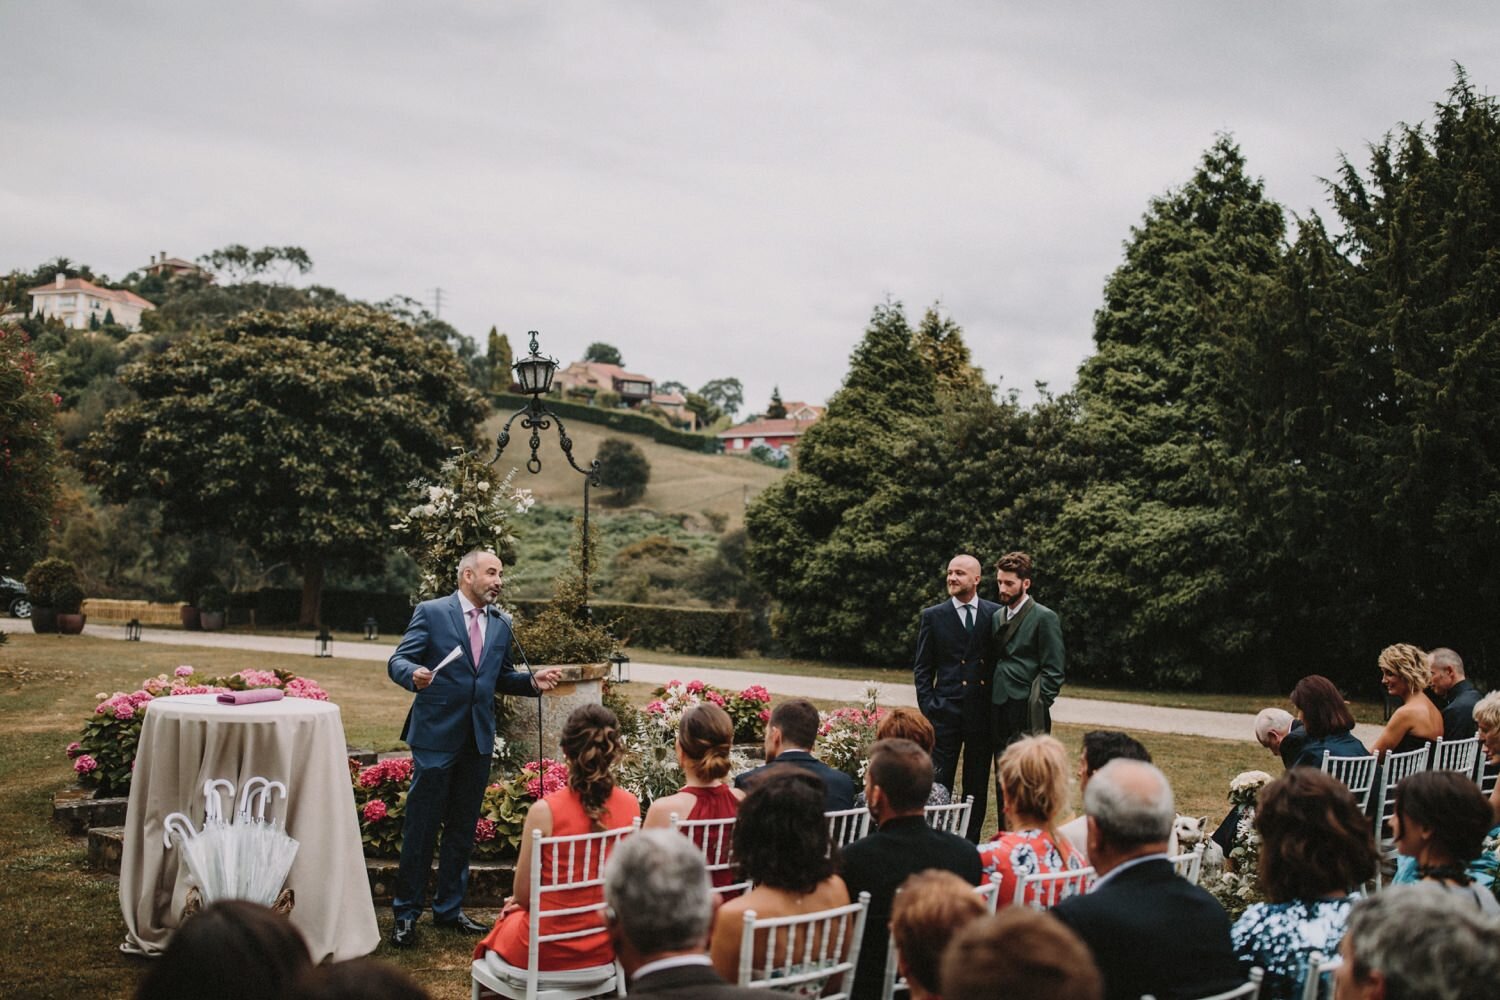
<point x="1317" y="848"/>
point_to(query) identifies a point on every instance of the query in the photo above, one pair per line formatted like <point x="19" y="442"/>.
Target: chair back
<point x="1249" y="991"/>
<point x="807" y="955"/>
<point x="952" y="818"/>
<point x="715" y="838"/>
<point x="1396" y="767"/>
<point x="1044" y="891"/>
<point x="845" y="826"/>
<point x="1457" y="755"/>
<point x="1319" y="972"/>
<point x="894" y="984"/>
<point x="1189" y="864"/>
<point x="1357" y="774"/>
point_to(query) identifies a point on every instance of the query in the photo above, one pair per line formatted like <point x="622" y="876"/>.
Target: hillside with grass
<point x="709" y="490"/>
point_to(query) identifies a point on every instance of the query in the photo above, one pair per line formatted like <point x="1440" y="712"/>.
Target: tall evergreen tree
<point x="500" y="360"/>
<point x="777" y="409"/>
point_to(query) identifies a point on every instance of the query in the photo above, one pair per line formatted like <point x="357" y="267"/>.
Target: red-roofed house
<point x="675" y="403"/>
<point x="780" y="434"/>
<point x="173" y="266"/>
<point x="75" y="302"/>
<point x="596" y="375"/>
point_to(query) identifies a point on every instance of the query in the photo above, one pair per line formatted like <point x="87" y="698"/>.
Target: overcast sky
<point x="716" y="188"/>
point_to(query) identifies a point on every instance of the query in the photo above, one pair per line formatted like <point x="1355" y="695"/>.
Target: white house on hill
<point x="75" y="302"/>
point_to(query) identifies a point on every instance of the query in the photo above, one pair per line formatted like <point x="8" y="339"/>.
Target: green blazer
<point x="1026" y="655"/>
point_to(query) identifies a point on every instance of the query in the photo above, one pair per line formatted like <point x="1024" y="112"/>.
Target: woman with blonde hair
<point x="590" y="802"/>
<point x="1032" y="776"/>
<point x="1405" y="672"/>
<point x="705" y="735"/>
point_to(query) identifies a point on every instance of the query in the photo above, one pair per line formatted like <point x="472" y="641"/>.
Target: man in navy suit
<point x="1458" y="694"/>
<point x="455" y="656"/>
<point x="953" y="686"/>
<point x="790" y="734"/>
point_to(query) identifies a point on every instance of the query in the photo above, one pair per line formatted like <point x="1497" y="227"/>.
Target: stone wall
<point x="582" y="684"/>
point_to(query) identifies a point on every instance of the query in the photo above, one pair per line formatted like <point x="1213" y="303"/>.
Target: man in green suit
<point x="1025" y="653"/>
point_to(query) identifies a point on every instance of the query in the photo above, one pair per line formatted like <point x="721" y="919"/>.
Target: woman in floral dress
<point x="1033" y="777"/>
<point x="1316" y="849"/>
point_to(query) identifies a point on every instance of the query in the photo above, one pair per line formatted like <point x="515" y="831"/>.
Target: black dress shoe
<point x="464" y="924"/>
<point x="405" y="933"/>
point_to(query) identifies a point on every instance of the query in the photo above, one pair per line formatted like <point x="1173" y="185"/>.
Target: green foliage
<point x="238" y="263"/>
<point x="603" y="353"/>
<point x="500" y="358"/>
<point x="766" y="455"/>
<point x="623" y="468"/>
<point x="28" y="451"/>
<point x="560" y="632"/>
<point x="47" y="579"/>
<point x="777" y="409"/>
<point x="68" y="598"/>
<point x="622" y="420"/>
<point x="290" y="431"/>
<point x="725" y="393"/>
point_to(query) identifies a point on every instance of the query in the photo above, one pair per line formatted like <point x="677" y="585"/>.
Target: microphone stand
<point x="540" y="756"/>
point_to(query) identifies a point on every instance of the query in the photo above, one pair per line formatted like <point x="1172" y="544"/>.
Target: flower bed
<point x="104" y="755"/>
<point x="749" y="709"/>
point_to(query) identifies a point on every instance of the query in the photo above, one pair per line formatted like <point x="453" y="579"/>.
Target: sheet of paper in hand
<point x="457" y="652"/>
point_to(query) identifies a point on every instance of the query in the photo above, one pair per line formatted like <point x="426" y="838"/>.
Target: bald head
<point x="1130" y="808"/>
<point x="1271" y="726"/>
<point x="1447" y="669"/>
<point x="963" y="577"/>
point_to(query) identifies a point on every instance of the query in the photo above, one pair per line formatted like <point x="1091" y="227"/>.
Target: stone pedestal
<point x="582" y="684"/>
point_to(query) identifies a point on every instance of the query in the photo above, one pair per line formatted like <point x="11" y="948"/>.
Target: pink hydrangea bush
<point x="749" y="709"/>
<point x="845" y="735"/>
<point x="104" y="756"/>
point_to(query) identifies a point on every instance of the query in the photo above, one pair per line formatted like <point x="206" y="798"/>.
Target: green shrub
<point x="46" y="578"/>
<point x="689" y="631"/>
<point x="624" y="469"/>
<point x="68" y="598"/>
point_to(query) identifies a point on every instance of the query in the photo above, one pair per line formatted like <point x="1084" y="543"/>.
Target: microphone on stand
<point x="527" y="664"/>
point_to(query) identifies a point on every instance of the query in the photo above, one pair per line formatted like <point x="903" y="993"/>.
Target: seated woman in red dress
<point x="1033" y="776"/>
<point x="704" y="738"/>
<point x="592" y="746"/>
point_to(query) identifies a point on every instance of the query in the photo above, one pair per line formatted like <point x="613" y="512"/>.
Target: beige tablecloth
<point x="188" y="739"/>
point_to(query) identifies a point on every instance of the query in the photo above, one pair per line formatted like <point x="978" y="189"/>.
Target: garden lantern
<point x="133" y="630"/>
<point x="622" y="667"/>
<point x="323" y="644"/>
<point x="534" y="372"/>
<point x="372" y="629"/>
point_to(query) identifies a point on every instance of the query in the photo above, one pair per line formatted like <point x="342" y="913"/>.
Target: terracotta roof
<point x="669" y="399"/>
<point x="768" y="428"/>
<point x="80" y="285"/>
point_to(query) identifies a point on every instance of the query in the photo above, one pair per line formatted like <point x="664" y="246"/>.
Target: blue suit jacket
<point x="458" y="707"/>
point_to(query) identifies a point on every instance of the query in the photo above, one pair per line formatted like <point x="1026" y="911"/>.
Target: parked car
<point x="13" y="597"/>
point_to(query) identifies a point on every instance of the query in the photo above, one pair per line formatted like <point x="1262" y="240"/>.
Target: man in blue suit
<point x="455" y="656"/>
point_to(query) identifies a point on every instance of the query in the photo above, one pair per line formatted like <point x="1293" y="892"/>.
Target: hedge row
<point x="690" y="631"/>
<point x="620" y="420"/>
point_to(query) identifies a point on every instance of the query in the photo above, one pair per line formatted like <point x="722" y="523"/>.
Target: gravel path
<point x="1073" y="711"/>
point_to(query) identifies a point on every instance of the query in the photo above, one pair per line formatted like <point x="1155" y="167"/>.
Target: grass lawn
<point x="67" y="917"/>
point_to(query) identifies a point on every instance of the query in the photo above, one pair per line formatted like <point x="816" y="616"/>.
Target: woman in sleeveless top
<point x="1405" y="672"/>
<point x="1033" y="777"/>
<point x="704" y="737"/>
<point x="1441" y="821"/>
<point x="591" y="802"/>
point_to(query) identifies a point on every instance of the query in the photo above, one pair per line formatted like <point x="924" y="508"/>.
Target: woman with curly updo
<point x="781" y="846"/>
<point x="591" y="802"/>
<point x="1317" y="848"/>
<point x="1033" y="778"/>
<point x="704" y="738"/>
<point x="1405" y="673"/>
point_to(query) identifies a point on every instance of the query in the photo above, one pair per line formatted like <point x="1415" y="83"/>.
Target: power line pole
<point x="437" y="303"/>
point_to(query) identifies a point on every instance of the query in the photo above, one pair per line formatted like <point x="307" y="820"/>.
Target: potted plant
<point x="42" y="583"/>
<point x="212" y="604"/>
<point x="68" y="601"/>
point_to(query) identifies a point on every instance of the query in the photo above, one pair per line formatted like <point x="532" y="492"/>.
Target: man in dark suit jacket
<point x="897" y="782"/>
<point x="790" y="734"/>
<point x="660" y="904"/>
<point x="1151" y="931"/>
<point x="1459" y="694"/>
<point x="1025" y="654"/>
<point x="455" y="655"/>
<point x="953" y="686"/>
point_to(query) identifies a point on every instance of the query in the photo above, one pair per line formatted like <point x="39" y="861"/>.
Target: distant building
<point x="597" y="376"/>
<point x="675" y="404"/>
<point x="76" y="302"/>
<point x="779" y="435"/>
<point x="173" y="266"/>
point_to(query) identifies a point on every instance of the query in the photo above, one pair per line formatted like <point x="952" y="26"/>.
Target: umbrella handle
<point x="213" y="805"/>
<point x="179" y="823"/>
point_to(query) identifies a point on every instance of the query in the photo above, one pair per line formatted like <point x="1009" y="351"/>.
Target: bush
<point x="749" y="709"/>
<point x="68" y="598"/>
<point x="622" y="420"/>
<point x="623" y="468"/>
<point x="45" y="579"/>
<point x="689" y="631"/>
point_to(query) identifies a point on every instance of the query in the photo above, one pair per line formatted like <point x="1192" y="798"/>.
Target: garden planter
<point x="71" y="624"/>
<point x="211" y="621"/>
<point x="190" y="618"/>
<point x="581" y="684"/>
<point x="43" y="619"/>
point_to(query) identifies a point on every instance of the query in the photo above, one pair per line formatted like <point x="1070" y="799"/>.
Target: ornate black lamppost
<point x="133" y="630"/>
<point x="534" y="374"/>
<point x="323" y="644"/>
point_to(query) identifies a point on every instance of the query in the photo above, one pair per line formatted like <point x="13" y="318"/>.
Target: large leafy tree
<point x="295" y="433"/>
<point x="29" y="462"/>
<point x="1152" y="563"/>
<point x="603" y="353"/>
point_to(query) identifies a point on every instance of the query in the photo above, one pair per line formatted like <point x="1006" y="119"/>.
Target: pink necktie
<point x="476" y="642"/>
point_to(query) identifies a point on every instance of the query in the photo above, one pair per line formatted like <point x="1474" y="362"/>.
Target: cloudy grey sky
<point x="716" y="188"/>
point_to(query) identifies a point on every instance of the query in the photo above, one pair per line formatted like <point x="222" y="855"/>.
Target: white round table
<point x="189" y="739"/>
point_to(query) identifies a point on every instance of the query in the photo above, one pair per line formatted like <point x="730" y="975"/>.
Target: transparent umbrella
<point x="246" y="857"/>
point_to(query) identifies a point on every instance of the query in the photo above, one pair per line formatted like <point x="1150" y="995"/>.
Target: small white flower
<point x="482" y="486"/>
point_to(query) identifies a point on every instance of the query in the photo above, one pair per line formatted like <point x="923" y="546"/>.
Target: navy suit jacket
<point x="838" y="787"/>
<point x="458" y="708"/>
<point x="953" y="685"/>
<point x="1458" y="714"/>
<point x="1152" y="931"/>
<point x="692" y="982"/>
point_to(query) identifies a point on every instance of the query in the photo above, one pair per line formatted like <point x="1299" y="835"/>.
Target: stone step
<point x="489" y="881"/>
<point x="78" y="811"/>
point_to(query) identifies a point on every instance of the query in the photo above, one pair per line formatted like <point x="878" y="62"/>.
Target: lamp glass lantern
<point x="323" y="644"/>
<point x="133" y="630"/>
<point x="534" y="372"/>
<point x="372" y="629"/>
<point x="622" y="667"/>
